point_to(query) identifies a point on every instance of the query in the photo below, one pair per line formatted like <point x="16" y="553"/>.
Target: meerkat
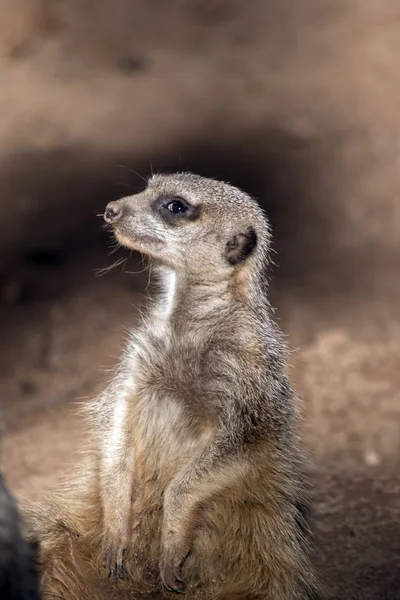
<point x="193" y="482"/>
<point x="17" y="558"/>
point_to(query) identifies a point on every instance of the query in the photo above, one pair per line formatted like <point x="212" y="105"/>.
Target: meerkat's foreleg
<point x="202" y="478"/>
<point x="116" y="475"/>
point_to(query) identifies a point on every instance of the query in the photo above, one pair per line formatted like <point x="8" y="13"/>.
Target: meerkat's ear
<point x="240" y="246"/>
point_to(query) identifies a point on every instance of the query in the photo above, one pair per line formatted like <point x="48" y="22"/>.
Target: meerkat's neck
<point x="167" y="299"/>
<point x="191" y="305"/>
<point x="197" y="298"/>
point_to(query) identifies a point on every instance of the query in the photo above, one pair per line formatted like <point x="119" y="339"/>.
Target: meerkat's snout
<point x="113" y="212"/>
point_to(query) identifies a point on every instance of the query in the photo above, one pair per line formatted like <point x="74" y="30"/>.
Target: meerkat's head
<point x="189" y="222"/>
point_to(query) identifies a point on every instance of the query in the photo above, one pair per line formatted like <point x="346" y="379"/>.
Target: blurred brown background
<point x="297" y="102"/>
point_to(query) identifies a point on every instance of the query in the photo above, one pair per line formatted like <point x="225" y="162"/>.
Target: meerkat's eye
<point x="177" y="206"/>
<point x="175" y="210"/>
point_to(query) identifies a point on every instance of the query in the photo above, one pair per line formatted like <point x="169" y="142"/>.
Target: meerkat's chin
<point x="141" y="243"/>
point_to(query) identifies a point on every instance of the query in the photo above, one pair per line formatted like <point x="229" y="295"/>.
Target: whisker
<point x="136" y="272"/>
<point x="105" y="270"/>
<point x="117" y="246"/>
<point x="132" y="171"/>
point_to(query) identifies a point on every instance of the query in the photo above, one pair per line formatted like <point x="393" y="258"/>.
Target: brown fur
<point x="193" y="480"/>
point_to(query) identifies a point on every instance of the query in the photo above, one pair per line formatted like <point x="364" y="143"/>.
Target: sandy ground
<point x="296" y="102"/>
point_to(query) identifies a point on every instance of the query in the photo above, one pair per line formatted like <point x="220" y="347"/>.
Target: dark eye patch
<point x="174" y="209"/>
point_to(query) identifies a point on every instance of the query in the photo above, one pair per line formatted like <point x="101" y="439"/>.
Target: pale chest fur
<point x="157" y="408"/>
<point x="167" y="427"/>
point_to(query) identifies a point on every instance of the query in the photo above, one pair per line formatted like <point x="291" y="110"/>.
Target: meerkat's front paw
<point x="171" y="564"/>
<point x="113" y="553"/>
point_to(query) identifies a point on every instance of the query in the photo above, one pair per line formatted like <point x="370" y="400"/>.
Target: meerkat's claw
<point x="172" y="582"/>
<point x="113" y="561"/>
<point x="171" y="573"/>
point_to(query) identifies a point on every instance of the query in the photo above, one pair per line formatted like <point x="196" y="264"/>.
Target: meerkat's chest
<point x="170" y="371"/>
<point x="169" y="426"/>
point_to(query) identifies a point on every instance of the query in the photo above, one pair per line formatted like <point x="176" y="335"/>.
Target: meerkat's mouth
<point x="141" y="242"/>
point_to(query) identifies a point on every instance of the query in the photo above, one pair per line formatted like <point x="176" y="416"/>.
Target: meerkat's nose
<point x="113" y="212"/>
